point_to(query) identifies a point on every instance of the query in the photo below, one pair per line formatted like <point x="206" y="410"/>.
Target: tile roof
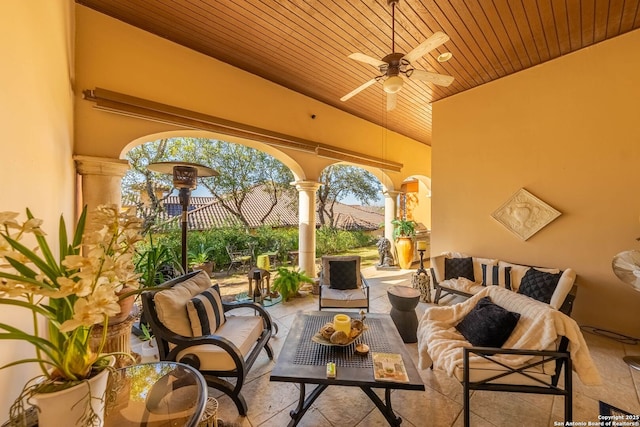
<point x="206" y="212"/>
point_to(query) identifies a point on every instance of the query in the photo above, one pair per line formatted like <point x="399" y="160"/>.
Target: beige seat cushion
<point x="343" y="298"/>
<point x="242" y="331"/>
<point x="482" y="370"/>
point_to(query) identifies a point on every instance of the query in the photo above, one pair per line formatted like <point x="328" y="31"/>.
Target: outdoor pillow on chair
<point x="205" y="311"/>
<point x="488" y="324"/>
<point x="343" y="275"/>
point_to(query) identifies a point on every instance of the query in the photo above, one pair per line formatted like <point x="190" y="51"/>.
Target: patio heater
<point x="185" y="177"/>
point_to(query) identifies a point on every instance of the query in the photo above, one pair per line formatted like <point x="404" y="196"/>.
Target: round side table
<point x="403" y="301"/>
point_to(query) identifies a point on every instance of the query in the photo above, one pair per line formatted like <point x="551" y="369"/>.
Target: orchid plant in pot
<point x="72" y="293"/>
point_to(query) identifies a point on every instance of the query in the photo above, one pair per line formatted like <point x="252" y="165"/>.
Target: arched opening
<point x="205" y="212"/>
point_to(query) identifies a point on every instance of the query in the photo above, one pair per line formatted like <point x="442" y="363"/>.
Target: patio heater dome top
<point x="167" y="167"/>
<point x="183" y="171"/>
<point x="185" y="179"/>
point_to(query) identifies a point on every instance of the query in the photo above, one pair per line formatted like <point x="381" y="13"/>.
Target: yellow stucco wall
<point x="115" y="56"/>
<point x="36" y="117"/>
<point x="567" y="131"/>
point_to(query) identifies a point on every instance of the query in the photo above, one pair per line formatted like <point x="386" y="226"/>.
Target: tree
<point x="242" y="169"/>
<point x="339" y="181"/>
<point x="140" y="180"/>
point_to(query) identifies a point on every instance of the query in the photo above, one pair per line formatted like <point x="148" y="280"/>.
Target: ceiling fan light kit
<point x="444" y="57"/>
<point x="393" y="84"/>
<point x="395" y="64"/>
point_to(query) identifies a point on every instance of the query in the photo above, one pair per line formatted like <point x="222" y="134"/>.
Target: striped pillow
<point x="205" y="312"/>
<point x="491" y="276"/>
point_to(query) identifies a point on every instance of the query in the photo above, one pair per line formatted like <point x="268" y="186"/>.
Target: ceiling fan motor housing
<point x="394" y="64"/>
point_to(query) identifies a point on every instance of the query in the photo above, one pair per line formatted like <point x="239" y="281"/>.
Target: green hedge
<point x="263" y="239"/>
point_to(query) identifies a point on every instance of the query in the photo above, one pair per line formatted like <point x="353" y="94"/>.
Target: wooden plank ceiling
<point x="304" y="44"/>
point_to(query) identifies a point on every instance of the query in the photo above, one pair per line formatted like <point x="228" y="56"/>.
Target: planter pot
<point x="207" y="267"/>
<point x="126" y="305"/>
<point x="118" y="341"/>
<point x="404" y="249"/>
<point x="71" y="405"/>
<point x="149" y="351"/>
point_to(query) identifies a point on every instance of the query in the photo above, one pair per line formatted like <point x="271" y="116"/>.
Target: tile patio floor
<point x="441" y="404"/>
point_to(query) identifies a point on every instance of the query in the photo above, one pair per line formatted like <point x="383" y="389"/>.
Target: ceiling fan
<point x="395" y="64"/>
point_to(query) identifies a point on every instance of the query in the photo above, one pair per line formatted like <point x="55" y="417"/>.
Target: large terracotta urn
<point x="404" y="249"/>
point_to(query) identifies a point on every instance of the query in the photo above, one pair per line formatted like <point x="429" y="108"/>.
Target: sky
<point x="202" y="191"/>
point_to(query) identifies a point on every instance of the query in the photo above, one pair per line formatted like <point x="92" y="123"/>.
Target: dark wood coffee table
<point x="304" y="362"/>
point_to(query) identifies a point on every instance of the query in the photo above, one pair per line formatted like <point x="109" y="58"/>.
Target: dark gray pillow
<point x="458" y="267"/>
<point x="488" y="324"/>
<point x="539" y="285"/>
<point x="343" y="275"/>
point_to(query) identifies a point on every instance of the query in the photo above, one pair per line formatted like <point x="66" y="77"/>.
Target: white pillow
<point x="494" y="275"/>
<point x="477" y="267"/>
<point x="437" y="263"/>
<point x="565" y="284"/>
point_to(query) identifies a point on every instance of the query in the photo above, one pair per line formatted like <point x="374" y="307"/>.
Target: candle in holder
<point x="342" y="322"/>
<point x="422" y="245"/>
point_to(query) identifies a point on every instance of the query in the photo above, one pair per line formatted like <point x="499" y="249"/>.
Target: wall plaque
<point x="524" y="214"/>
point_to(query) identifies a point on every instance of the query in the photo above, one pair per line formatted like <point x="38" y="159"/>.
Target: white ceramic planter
<point x="70" y="405"/>
<point x="149" y="351"/>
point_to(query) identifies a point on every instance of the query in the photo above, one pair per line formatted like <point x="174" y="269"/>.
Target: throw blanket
<point x="538" y="329"/>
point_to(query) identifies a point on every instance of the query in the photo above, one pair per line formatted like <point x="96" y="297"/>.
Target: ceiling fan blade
<point x="391" y="101"/>
<point x="367" y="59"/>
<point x="437" y="39"/>
<point x="358" y="89"/>
<point x="439" y="79"/>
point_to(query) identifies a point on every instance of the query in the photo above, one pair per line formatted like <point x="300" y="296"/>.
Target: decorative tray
<point x="318" y="338"/>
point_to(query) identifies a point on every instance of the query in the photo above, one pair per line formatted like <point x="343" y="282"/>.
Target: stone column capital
<point x="88" y="165"/>
<point x="306" y="185"/>
<point x="391" y="193"/>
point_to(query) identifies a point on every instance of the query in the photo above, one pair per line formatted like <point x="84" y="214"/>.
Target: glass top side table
<point x="156" y="394"/>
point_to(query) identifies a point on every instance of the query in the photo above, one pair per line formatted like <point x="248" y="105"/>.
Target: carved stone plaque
<point x="524" y="214"/>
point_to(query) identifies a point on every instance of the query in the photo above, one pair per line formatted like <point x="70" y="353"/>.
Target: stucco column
<point x="101" y="180"/>
<point x="307" y="226"/>
<point x="390" y="205"/>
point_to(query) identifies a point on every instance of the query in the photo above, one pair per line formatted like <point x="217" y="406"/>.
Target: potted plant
<point x="73" y="293"/>
<point x="148" y="348"/>
<point x="155" y="263"/>
<point x="404" y="231"/>
<point x="201" y="260"/>
<point x="288" y="282"/>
